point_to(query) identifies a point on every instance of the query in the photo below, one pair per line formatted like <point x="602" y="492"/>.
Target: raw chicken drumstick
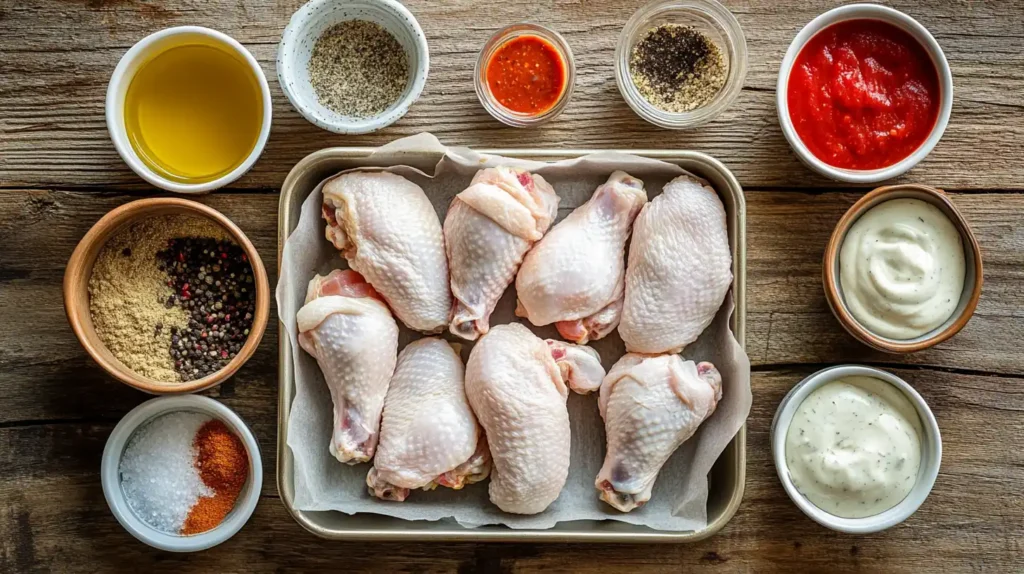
<point x="650" y="406"/>
<point x="386" y="228"/>
<point x="489" y="228"/>
<point x="428" y="435"/>
<point x="351" y="334"/>
<point x="679" y="268"/>
<point x="573" y="277"/>
<point x="516" y="384"/>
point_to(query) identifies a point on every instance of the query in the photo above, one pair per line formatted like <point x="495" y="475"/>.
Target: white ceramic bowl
<point x="905" y="23"/>
<point x="122" y="77"/>
<point x="314" y="18"/>
<point x="111" y="478"/>
<point x="931" y="451"/>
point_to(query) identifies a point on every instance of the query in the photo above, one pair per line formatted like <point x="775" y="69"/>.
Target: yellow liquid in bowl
<point x="194" y="113"/>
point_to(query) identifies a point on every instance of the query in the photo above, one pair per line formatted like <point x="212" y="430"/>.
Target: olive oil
<point x="194" y="112"/>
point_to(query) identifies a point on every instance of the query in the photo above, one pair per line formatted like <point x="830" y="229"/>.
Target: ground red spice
<point x="223" y="465"/>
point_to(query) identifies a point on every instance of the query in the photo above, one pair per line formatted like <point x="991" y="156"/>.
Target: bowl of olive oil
<point x="188" y="109"/>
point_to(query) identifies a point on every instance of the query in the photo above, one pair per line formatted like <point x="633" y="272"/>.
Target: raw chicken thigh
<point x="650" y="406"/>
<point x="516" y="384"/>
<point x="388" y="231"/>
<point x="428" y="436"/>
<point x="351" y="334"/>
<point x="489" y="228"/>
<point x="574" y="276"/>
<point x="679" y="268"/>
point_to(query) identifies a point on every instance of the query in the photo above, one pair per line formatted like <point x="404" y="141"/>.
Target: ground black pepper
<point x="358" y="69"/>
<point x="213" y="282"/>
<point x="677" y="68"/>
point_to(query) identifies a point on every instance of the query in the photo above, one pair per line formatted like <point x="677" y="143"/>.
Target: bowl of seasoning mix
<point x="874" y="112"/>
<point x="857" y="449"/>
<point x="182" y="473"/>
<point x="524" y="75"/>
<point x="167" y="295"/>
<point x="352" y="66"/>
<point x="680" y="63"/>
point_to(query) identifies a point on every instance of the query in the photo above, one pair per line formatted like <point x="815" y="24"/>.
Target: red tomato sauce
<point x="863" y="94"/>
<point x="526" y="75"/>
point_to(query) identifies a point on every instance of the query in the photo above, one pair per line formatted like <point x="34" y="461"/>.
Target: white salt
<point x="158" y="471"/>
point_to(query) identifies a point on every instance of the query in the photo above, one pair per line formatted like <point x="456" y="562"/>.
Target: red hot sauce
<point x="863" y="94"/>
<point x="526" y="75"/>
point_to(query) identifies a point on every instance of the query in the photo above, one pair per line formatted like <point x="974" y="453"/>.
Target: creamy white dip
<point x="901" y="268"/>
<point x="854" y="447"/>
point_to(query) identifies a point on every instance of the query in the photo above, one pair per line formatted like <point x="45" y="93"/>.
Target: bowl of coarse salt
<point x="182" y="473"/>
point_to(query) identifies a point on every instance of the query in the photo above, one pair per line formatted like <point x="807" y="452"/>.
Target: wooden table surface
<point x="59" y="173"/>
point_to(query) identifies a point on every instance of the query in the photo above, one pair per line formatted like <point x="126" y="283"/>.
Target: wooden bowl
<point x="972" y="278"/>
<point x="76" y="292"/>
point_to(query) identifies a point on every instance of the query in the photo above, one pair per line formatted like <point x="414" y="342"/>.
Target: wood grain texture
<point x="59" y="409"/>
<point x="59" y="174"/>
<point x="58" y="57"/>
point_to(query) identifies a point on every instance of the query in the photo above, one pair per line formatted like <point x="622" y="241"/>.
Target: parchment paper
<point x="679" y="501"/>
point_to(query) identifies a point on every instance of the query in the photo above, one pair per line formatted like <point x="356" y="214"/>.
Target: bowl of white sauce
<point x="856" y="448"/>
<point x="903" y="271"/>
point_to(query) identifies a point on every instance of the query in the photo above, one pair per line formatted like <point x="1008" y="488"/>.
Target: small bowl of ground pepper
<point x="167" y="295"/>
<point x="182" y="473"/>
<point x="680" y="63"/>
<point x="352" y="66"/>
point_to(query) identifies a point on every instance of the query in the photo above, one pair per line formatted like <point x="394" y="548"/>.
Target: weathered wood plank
<point x="58" y="58"/>
<point x="54" y="515"/>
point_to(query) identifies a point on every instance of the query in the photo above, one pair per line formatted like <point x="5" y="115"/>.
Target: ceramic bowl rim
<point x="114" y="107"/>
<point x="931" y="455"/>
<point x="864" y="12"/>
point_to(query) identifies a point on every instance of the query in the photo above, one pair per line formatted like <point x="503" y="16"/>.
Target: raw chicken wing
<point x="650" y="406"/>
<point x="516" y="384"/>
<point x="679" y="268"/>
<point x="574" y="276"/>
<point x="489" y="228"/>
<point x="388" y="231"/>
<point x="351" y="334"/>
<point x="428" y="435"/>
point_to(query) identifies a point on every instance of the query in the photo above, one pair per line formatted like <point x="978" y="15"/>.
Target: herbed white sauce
<point x="854" y="447"/>
<point x="901" y="268"/>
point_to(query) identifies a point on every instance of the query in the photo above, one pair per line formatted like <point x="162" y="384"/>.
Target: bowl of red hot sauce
<point x="525" y="74"/>
<point x="864" y="93"/>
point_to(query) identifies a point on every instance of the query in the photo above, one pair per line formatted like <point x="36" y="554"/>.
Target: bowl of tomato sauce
<point x="864" y="93"/>
<point x="525" y="74"/>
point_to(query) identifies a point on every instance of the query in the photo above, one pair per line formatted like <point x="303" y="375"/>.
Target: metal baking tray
<point x="726" y="479"/>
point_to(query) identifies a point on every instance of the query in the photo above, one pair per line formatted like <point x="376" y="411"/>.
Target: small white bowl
<point x="111" y="478"/>
<point x="122" y="77"/>
<point x="931" y="451"/>
<point x="314" y="18"/>
<point x="865" y="12"/>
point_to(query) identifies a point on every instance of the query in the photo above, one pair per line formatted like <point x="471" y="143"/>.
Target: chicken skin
<point x="386" y="228"/>
<point x="428" y="434"/>
<point x="517" y="386"/>
<point x="679" y="269"/>
<point x="350" y="332"/>
<point x="574" y="276"/>
<point x="488" y="229"/>
<point x="651" y="404"/>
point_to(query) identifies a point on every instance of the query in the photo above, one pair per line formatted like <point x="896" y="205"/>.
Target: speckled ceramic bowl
<point x="315" y="18"/>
